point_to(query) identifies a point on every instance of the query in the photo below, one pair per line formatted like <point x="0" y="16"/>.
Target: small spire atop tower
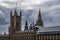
<point x="15" y="10"/>
<point x="11" y="13"/>
<point x="20" y="13"/>
<point x="39" y="13"/>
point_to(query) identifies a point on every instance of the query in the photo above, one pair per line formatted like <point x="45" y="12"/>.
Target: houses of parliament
<point x="35" y="32"/>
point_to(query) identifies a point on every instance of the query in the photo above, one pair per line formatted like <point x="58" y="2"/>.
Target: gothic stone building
<point x="35" y="32"/>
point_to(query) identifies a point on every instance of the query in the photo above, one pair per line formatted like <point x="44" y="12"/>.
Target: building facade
<point x="35" y="32"/>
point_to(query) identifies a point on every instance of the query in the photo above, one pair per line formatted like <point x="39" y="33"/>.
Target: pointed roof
<point x="39" y="20"/>
<point x="39" y="13"/>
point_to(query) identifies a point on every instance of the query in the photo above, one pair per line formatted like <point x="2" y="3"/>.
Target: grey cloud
<point x="26" y="14"/>
<point x="51" y="15"/>
<point x="9" y="3"/>
<point x="5" y="17"/>
<point x="3" y="28"/>
<point x="2" y="21"/>
<point x="50" y="12"/>
<point x="50" y="3"/>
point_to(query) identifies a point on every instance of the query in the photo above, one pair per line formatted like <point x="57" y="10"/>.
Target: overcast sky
<point x="50" y="11"/>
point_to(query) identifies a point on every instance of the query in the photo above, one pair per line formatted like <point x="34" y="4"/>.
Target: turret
<point x="31" y="28"/>
<point x="26" y="26"/>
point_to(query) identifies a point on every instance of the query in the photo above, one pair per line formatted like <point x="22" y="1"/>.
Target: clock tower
<point x="15" y="22"/>
<point x="39" y="20"/>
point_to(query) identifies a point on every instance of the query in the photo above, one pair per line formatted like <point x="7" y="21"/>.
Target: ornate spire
<point x="39" y="21"/>
<point x="26" y="25"/>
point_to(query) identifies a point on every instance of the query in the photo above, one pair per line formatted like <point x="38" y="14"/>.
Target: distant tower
<point x="39" y="20"/>
<point x="15" y="22"/>
<point x="26" y="26"/>
<point x="4" y="33"/>
<point x="31" y="27"/>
